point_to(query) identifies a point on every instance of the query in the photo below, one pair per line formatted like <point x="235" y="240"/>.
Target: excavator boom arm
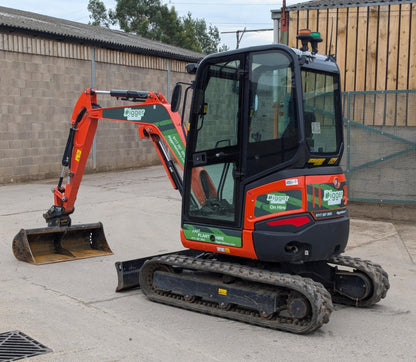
<point x="155" y="120"/>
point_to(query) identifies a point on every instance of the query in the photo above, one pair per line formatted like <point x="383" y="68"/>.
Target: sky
<point x="226" y="15"/>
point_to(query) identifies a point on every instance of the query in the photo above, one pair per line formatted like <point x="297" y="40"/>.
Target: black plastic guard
<point x="317" y="240"/>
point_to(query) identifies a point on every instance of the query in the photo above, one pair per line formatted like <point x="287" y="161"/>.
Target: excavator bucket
<point x="56" y="244"/>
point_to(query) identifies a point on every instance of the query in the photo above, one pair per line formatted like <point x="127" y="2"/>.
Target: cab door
<point x="212" y="204"/>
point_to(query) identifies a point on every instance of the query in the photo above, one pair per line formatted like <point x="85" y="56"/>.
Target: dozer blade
<point x="128" y="271"/>
<point x="56" y="244"/>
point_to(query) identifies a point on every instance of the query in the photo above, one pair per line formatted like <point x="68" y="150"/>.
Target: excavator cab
<point x="265" y="141"/>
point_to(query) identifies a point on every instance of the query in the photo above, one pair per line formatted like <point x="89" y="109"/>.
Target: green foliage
<point x="154" y="20"/>
<point x="98" y="14"/>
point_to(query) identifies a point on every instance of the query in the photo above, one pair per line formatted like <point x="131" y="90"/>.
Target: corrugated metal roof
<point x="331" y="4"/>
<point x="37" y="24"/>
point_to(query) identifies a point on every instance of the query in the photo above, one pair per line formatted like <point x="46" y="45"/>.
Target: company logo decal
<point x="333" y="197"/>
<point x="277" y="199"/>
<point x="134" y="114"/>
<point x="275" y="202"/>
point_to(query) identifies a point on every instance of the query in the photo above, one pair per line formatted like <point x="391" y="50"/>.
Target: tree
<point x="98" y="13"/>
<point x="154" y="20"/>
<point x="198" y="37"/>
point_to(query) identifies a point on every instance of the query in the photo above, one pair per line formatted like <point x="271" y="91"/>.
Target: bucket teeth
<point x="56" y="244"/>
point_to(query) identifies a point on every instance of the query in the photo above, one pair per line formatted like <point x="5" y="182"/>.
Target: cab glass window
<point x="218" y="116"/>
<point x="322" y="118"/>
<point x="273" y="126"/>
<point x="215" y="158"/>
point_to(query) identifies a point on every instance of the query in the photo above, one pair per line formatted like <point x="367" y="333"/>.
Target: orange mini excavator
<point x="264" y="216"/>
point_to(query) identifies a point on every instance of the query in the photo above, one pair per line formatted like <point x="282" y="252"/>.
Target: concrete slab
<point x="73" y="309"/>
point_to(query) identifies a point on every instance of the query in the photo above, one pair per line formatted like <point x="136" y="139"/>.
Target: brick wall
<point x="40" y="81"/>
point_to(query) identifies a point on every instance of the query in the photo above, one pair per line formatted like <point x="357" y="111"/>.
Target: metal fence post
<point x="348" y="124"/>
<point x="94" y="142"/>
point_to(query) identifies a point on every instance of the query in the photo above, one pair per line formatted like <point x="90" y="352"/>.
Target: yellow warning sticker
<point x="317" y="161"/>
<point x="222" y="291"/>
<point x="332" y="160"/>
<point x="78" y="155"/>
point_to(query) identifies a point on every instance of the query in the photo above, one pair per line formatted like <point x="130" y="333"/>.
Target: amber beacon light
<point x="306" y="36"/>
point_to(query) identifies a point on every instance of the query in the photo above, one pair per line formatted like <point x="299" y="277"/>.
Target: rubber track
<point x="378" y="276"/>
<point x="317" y="295"/>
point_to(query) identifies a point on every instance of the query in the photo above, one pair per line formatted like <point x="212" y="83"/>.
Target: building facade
<point x="45" y="64"/>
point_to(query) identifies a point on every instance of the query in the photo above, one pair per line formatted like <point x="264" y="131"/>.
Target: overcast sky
<point x="226" y="15"/>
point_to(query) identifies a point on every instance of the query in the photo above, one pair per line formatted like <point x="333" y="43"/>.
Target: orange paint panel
<point x="325" y="179"/>
<point x="345" y="195"/>
<point x="265" y="195"/>
<point x="281" y="186"/>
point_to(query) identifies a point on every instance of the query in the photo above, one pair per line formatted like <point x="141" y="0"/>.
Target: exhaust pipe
<point x="56" y="244"/>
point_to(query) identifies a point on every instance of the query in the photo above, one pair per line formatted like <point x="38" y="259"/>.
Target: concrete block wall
<point x="39" y="86"/>
<point x="36" y="98"/>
